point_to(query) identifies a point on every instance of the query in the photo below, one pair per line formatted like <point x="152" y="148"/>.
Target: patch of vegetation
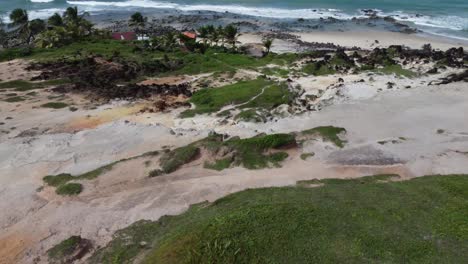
<point x="396" y="70"/>
<point x="251" y="152"/>
<point x="57" y="180"/>
<point x="20" y="85"/>
<point x="155" y="173"/>
<point x="174" y="159"/>
<point x="60" y="181"/>
<point x="212" y="100"/>
<point x="305" y="156"/>
<point x="318" y="69"/>
<point x="276" y="71"/>
<point x="219" y="165"/>
<point x="329" y="133"/>
<point x="69" y="189"/>
<point x="64" y="248"/>
<point x="54" y="105"/>
<point x="252" y="115"/>
<point x="362" y="180"/>
<point x="15" y="99"/>
<point x="422" y="220"/>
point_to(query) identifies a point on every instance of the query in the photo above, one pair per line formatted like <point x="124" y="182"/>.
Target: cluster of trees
<point x="210" y="36"/>
<point x="58" y="30"/>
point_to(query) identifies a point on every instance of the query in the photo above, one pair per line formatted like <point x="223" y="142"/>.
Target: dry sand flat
<point x="124" y="195"/>
<point x="361" y="39"/>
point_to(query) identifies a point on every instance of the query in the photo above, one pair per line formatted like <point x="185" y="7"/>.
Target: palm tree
<point x="170" y="40"/>
<point x="231" y="33"/>
<point x="137" y="21"/>
<point x="19" y="19"/>
<point x="55" y="20"/>
<point x="53" y="38"/>
<point x="213" y="35"/>
<point x="203" y="33"/>
<point x="220" y="32"/>
<point x="35" y="27"/>
<point x="71" y="15"/>
<point x="76" y="23"/>
<point x="3" y="35"/>
<point x="268" y="42"/>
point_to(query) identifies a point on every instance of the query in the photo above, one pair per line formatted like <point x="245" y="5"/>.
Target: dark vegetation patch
<point x="174" y="159"/>
<point x="253" y="115"/>
<point x="20" y="85"/>
<point x="69" y="189"/>
<point x="15" y="99"/>
<point x="422" y="220"/>
<point x="69" y="250"/>
<point x="305" y="156"/>
<point x="54" y="105"/>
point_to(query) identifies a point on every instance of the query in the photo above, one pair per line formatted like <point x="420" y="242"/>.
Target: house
<point x="190" y="35"/>
<point x="124" y="36"/>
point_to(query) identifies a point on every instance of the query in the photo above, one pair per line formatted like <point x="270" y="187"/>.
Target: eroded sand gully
<point x="410" y="132"/>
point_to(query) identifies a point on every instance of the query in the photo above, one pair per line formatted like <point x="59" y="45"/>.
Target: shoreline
<point x="362" y="32"/>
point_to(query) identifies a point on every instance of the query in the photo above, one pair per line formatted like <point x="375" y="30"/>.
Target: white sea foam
<point x="237" y="9"/>
<point x="445" y="22"/>
<point x="42" y="1"/>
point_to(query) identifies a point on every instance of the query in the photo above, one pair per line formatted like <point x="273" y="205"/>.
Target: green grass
<point x="252" y="115"/>
<point x="21" y="85"/>
<point x="15" y="99"/>
<point x="276" y="71"/>
<point x="69" y="189"/>
<point x="250" y="152"/>
<point x="318" y="69"/>
<point x="328" y="133"/>
<point x="57" y="180"/>
<point x="214" y="60"/>
<point x="17" y="84"/>
<point x="54" y="105"/>
<point x="219" y="165"/>
<point x="64" y="248"/>
<point x="305" y="156"/>
<point x="174" y="159"/>
<point x="213" y="99"/>
<point x="397" y="70"/>
<point x="60" y="181"/>
<point x="356" y="221"/>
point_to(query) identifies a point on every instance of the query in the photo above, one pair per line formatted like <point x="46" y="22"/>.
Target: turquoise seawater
<point x="442" y="17"/>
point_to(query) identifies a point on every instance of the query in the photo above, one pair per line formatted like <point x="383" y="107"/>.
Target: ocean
<point x="447" y="18"/>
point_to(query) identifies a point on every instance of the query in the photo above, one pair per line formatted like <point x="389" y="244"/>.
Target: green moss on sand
<point x="328" y="133"/>
<point x="69" y="189"/>
<point x="64" y="248"/>
<point x="55" y="105"/>
<point x="269" y="95"/>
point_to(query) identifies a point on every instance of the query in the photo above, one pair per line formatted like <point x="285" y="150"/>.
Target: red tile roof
<point x="190" y="35"/>
<point x="124" y="36"/>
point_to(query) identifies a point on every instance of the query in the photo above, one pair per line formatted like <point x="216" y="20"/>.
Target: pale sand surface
<point x="35" y="220"/>
<point x="364" y="40"/>
<point x="62" y="141"/>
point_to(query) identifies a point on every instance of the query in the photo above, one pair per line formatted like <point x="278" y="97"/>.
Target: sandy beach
<point x="362" y="39"/>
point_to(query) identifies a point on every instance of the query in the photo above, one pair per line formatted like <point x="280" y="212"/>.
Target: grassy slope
<point x="212" y="100"/>
<point x="355" y="221"/>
